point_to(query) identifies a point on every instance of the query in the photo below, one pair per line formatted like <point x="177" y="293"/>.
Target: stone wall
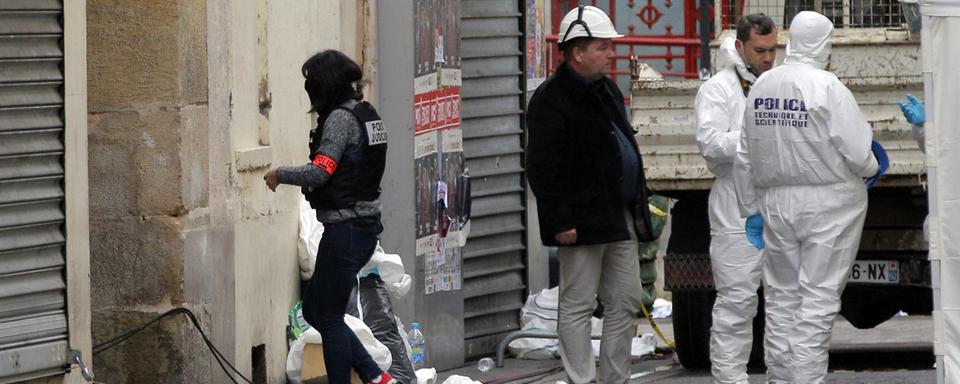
<point x="146" y="89"/>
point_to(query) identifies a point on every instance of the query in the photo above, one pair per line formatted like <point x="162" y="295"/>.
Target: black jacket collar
<point x="580" y="88"/>
<point x="578" y="85"/>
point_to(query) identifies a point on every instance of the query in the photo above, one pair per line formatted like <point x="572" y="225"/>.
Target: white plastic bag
<point x="390" y="268"/>
<point x="426" y="376"/>
<point x="639" y="346"/>
<point x="643" y="345"/>
<point x="379" y="352"/>
<point x="311" y="231"/>
<point x="538" y="313"/>
<point x="662" y="309"/>
<point x="457" y="379"/>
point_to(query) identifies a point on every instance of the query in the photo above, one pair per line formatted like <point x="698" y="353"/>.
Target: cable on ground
<point x="656" y="328"/>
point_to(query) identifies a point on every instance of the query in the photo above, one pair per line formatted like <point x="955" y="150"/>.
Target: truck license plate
<point x="875" y="271"/>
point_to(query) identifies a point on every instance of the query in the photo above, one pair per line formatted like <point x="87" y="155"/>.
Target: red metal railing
<point x="728" y="15"/>
<point x="554" y="58"/>
<point x="689" y="41"/>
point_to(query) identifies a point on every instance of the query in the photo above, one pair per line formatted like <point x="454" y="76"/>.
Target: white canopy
<point x="940" y="8"/>
<point x="941" y="61"/>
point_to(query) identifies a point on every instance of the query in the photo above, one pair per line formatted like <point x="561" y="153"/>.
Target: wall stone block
<point x="138" y="262"/>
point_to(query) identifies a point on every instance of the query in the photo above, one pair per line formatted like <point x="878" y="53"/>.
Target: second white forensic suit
<point x="804" y="150"/>
<point x="736" y="263"/>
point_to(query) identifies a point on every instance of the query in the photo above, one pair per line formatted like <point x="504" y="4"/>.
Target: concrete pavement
<point x="895" y="335"/>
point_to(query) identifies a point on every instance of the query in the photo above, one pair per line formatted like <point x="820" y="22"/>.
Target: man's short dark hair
<point x="577" y="42"/>
<point x="759" y="22"/>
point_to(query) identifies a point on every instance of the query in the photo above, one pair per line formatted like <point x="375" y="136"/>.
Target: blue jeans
<point x="344" y="249"/>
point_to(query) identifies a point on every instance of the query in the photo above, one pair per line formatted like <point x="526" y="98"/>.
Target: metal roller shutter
<point x="33" y="323"/>
<point x="494" y="267"/>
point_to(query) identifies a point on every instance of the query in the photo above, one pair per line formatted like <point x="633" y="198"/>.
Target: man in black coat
<point x="584" y="167"/>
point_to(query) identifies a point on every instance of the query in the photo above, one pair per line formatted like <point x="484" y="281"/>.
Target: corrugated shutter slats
<point x="494" y="267"/>
<point x="33" y="323"/>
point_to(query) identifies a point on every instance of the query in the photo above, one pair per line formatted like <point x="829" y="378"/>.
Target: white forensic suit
<point x="803" y="154"/>
<point x="736" y="263"/>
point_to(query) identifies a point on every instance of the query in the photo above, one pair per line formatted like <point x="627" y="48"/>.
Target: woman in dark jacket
<point x="342" y="182"/>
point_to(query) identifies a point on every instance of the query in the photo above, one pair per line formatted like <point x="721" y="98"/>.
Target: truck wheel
<point x="692" y="318"/>
<point x="691" y="326"/>
<point x="756" y="362"/>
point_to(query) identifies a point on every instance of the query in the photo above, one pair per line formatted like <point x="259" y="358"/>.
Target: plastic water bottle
<point x="417" y="344"/>
<point x="485" y="364"/>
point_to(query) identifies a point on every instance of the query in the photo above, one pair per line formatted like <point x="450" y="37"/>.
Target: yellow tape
<point x="656" y="328"/>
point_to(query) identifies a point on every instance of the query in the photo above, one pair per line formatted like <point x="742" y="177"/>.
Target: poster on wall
<point x="439" y="167"/>
<point x="425" y="76"/>
<point x="449" y="44"/>
<point x="450" y="230"/>
<point x="438" y="144"/>
<point x="536" y="64"/>
<point x="452" y="167"/>
<point x="426" y="151"/>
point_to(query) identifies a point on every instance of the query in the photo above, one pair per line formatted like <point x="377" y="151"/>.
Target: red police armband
<point x="325" y="163"/>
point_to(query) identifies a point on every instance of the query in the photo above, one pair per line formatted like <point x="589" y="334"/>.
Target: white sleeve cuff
<point x="871" y="168"/>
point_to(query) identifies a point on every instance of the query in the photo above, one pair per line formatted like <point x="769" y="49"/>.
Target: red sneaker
<point x="384" y="378"/>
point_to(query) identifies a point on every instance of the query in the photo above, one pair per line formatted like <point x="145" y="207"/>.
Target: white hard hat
<point x="586" y="21"/>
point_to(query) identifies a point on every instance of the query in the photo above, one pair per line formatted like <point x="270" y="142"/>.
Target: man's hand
<point x="271" y="178"/>
<point x="566" y="237"/>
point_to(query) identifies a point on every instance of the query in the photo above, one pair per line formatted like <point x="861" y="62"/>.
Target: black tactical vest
<point x="357" y="175"/>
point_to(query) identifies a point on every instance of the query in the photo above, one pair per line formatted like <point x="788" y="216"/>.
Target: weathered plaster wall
<point x="856" y="52"/>
<point x="269" y="125"/>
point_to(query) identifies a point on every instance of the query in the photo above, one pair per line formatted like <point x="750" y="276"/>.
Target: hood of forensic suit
<point x="728" y="49"/>
<point x="810" y="40"/>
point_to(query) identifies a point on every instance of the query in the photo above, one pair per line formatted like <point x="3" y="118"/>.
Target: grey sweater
<point x="341" y="130"/>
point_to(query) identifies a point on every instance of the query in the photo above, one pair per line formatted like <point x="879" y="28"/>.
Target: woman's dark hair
<point x="331" y="79"/>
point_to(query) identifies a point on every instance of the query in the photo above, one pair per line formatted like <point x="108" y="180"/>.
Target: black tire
<point x="693" y="309"/>
<point x="756" y="362"/>
<point x="692" y="318"/>
<point x="691" y="326"/>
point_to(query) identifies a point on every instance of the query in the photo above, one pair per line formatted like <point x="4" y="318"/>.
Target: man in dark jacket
<point x="585" y="169"/>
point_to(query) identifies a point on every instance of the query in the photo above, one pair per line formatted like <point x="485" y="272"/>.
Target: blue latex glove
<point x="882" y="159"/>
<point x="754" y="229"/>
<point x="913" y="112"/>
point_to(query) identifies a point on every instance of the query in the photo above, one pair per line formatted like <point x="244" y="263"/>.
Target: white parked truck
<point x="891" y="274"/>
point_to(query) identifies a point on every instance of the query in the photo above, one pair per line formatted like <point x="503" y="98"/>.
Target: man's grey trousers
<point x="612" y="271"/>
